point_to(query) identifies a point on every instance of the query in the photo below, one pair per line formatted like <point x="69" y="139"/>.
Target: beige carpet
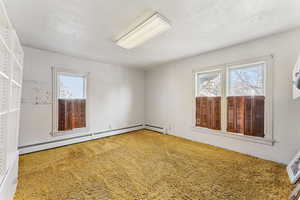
<point x="147" y="165"/>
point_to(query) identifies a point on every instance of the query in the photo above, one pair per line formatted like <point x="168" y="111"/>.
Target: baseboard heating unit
<point x="77" y="139"/>
<point x="155" y="128"/>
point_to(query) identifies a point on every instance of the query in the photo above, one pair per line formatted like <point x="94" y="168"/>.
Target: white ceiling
<point x="86" y="28"/>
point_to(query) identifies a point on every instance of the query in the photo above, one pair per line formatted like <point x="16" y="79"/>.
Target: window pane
<point x="71" y="87"/>
<point x="245" y="115"/>
<point x="247" y="81"/>
<point x="209" y="84"/>
<point x="208" y="100"/>
<point x="246" y="100"/>
<point x="208" y="112"/>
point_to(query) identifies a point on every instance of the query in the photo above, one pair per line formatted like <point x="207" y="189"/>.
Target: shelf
<point x="11" y="71"/>
<point x="5" y="43"/>
<point x="14" y="110"/>
<point x="18" y="63"/>
<point x="16" y="83"/>
<point x="4" y="75"/>
<point x="4" y="33"/>
<point x="17" y="73"/>
<point x="4" y="113"/>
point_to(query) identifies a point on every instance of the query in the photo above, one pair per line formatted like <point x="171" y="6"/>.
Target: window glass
<point x="247" y="81"/>
<point x="209" y="84"/>
<point x="71" y="87"/>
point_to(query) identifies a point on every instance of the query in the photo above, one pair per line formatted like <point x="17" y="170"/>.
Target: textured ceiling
<point x="86" y="28"/>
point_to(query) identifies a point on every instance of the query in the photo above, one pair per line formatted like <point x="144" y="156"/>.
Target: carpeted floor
<point x="147" y="165"/>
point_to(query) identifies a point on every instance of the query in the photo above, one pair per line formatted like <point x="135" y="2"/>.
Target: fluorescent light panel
<point x="148" y="29"/>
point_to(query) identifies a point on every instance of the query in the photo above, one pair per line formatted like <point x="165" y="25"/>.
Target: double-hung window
<point x="235" y="99"/>
<point x="70" y="101"/>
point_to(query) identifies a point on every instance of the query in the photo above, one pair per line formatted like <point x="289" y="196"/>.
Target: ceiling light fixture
<point x="144" y="31"/>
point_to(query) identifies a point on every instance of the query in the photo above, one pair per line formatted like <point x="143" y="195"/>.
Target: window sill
<point x="237" y="136"/>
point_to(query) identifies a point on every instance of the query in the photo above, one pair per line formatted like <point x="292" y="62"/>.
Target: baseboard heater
<point x="76" y="139"/>
<point x="155" y="128"/>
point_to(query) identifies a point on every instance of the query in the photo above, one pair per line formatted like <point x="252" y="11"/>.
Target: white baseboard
<point x="9" y="184"/>
<point x="74" y="140"/>
<point x="155" y="128"/>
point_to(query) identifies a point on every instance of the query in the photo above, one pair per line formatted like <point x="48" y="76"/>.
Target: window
<point x="70" y="101"/>
<point x="208" y="100"/>
<point x="234" y="99"/>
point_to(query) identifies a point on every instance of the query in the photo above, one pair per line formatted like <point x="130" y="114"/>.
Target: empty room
<point x="150" y="100"/>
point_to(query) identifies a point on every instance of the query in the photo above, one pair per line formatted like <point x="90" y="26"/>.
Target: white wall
<point x="116" y="95"/>
<point x="168" y="98"/>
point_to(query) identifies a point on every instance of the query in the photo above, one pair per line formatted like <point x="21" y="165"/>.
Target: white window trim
<point x="55" y="95"/>
<point x="224" y="68"/>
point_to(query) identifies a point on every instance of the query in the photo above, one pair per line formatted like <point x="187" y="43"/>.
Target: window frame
<point x="224" y="69"/>
<point x="56" y="72"/>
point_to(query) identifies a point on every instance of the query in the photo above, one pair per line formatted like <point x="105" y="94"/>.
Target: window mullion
<point x="224" y="102"/>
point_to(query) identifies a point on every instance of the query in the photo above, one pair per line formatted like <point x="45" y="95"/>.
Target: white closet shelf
<point x="4" y="112"/>
<point x="10" y="51"/>
<point x="18" y="63"/>
<point x="4" y="44"/>
<point x="14" y="110"/>
<point x="16" y="59"/>
<point x="11" y="70"/>
<point x="16" y="83"/>
<point x="4" y="75"/>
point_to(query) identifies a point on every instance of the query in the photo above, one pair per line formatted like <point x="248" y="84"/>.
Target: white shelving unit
<point x="11" y="70"/>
